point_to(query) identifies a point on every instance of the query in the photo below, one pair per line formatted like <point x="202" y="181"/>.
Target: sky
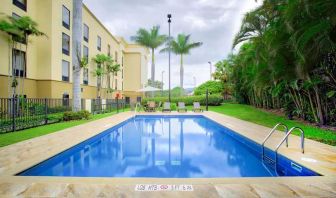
<point x="212" y="22"/>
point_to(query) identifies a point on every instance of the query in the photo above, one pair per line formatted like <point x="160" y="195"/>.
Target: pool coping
<point x="20" y="156"/>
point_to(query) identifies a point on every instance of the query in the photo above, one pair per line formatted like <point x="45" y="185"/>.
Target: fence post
<point x="46" y="111"/>
<point x="207" y="100"/>
<point x="13" y="113"/>
<point x="117" y="106"/>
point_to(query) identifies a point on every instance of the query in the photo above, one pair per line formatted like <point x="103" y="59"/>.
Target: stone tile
<point x="13" y="189"/>
<point x="314" y="189"/>
<point x="44" y="190"/>
<point x="236" y="190"/>
<point x="274" y="190"/>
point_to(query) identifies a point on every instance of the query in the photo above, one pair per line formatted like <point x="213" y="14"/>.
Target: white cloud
<point x="213" y="22"/>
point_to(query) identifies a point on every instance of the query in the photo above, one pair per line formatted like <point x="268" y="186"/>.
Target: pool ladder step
<point x="285" y="138"/>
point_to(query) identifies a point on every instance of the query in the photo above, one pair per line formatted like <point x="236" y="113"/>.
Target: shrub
<point x="214" y="87"/>
<point x="70" y="115"/>
<point x="214" y="100"/>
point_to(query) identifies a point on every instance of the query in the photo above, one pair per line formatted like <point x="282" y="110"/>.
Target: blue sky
<point x="213" y="22"/>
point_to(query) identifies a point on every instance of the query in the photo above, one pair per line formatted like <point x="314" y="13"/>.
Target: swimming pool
<point x="166" y="147"/>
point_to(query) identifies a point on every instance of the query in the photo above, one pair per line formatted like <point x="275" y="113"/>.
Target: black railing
<point x="23" y="113"/>
<point x="109" y="105"/>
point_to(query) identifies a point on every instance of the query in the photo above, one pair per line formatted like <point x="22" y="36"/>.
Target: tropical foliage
<point x="19" y="29"/>
<point x="106" y="67"/>
<point x="151" y="39"/>
<point x="213" y="87"/>
<point x="181" y="46"/>
<point x="288" y="59"/>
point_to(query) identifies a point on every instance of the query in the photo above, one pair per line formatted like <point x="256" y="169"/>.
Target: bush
<point x="214" y="87"/>
<point x="214" y="100"/>
<point x="70" y="115"/>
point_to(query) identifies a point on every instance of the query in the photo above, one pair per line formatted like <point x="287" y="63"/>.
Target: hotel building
<point x="48" y="68"/>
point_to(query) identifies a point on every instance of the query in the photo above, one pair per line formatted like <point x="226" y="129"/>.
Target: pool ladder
<point x="285" y="138"/>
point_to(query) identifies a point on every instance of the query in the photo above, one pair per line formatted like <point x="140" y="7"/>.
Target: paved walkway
<point x="20" y="156"/>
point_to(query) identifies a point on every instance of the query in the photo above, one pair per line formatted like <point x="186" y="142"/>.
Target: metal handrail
<point x="286" y="136"/>
<point x="136" y="107"/>
<point x="269" y="135"/>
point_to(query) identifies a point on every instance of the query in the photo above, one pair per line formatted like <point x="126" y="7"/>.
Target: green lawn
<point x="11" y="138"/>
<point x="244" y="112"/>
<point x="251" y="114"/>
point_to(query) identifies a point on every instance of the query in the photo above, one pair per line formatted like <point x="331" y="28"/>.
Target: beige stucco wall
<point x="44" y="57"/>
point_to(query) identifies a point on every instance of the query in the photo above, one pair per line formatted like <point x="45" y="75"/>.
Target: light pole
<point x="162" y="82"/>
<point x="194" y="81"/>
<point x="169" y="21"/>
<point x="210" y="69"/>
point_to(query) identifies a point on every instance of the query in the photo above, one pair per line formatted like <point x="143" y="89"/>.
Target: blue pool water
<point x="166" y="147"/>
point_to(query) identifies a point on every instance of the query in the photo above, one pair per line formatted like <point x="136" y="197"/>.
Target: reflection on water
<point x="157" y="147"/>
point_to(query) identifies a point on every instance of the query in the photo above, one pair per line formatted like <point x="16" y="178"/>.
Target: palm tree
<point x="151" y="39"/>
<point x="111" y="69"/>
<point x="100" y="60"/>
<point x="181" y="46"/>
<point x="76" y="53"/>
<point x="28" y="27"/>
<point x="12" y="30"/>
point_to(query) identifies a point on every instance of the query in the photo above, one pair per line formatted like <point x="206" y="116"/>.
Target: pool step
<point x="268" y="160"/>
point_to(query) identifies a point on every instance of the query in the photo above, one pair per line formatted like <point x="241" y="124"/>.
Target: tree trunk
<point x="153" y="68"/>
<point x="76" y="53"/>
<point x="181" y="72"/>
<point x="319" y="106"/>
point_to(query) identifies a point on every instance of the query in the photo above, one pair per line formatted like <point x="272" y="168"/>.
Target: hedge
<point x="214" y="100"/>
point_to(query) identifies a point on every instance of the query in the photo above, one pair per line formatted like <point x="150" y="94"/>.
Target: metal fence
<point x="108" y="105"/>
<point x="22" y="113"/>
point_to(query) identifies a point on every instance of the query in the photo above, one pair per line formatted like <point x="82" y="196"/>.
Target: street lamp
<point x="169" y="21"/>
<point x="162" y="82"/>
<point x="194" y="81"/>
<point x="210" y="69"/>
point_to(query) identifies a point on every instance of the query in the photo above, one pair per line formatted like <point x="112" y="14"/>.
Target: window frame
<point x="99" y="41"/>
<point x="67" y="26"/>
<point x="20" y="5"/>
<point x="87" y="55"/>
<point x="86" y="70"/>
<point x="66" y="78"/>
<point x="65" y="51"/>
<point x="88" y="32"/>
<point x="19" y="72"/>
<point x="86" y="74"/>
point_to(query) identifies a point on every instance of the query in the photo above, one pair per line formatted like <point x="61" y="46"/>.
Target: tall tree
<point x="181" y="46"/>
<point x="151" y="39"/>
<point x="76" y="53"/>
<point x="28" y="27"/>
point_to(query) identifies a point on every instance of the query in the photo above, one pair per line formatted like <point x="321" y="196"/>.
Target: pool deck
<point x="17" y="157"/>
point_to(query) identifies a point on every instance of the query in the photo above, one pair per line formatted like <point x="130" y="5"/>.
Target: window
<point x="85" y="76"/>
<point x="17" y="39"/>
<point x="99" y="77"/>
<point x="109" y="50"/>
<point x="116" y="84"/>
<point x="65" y="44"/>
<point x="122" y="66"/>
<point x="66" y="17"/>
<point x="86" y="52"/>
<point x="65" y="70"/>
<point x="86" y="70"/>
<point x="99" y="43"/>
<point x="116" y="57"/>
<point x="86" y="33"/>
<point x="21" y="4"/>
<point x="19" y="64"/>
